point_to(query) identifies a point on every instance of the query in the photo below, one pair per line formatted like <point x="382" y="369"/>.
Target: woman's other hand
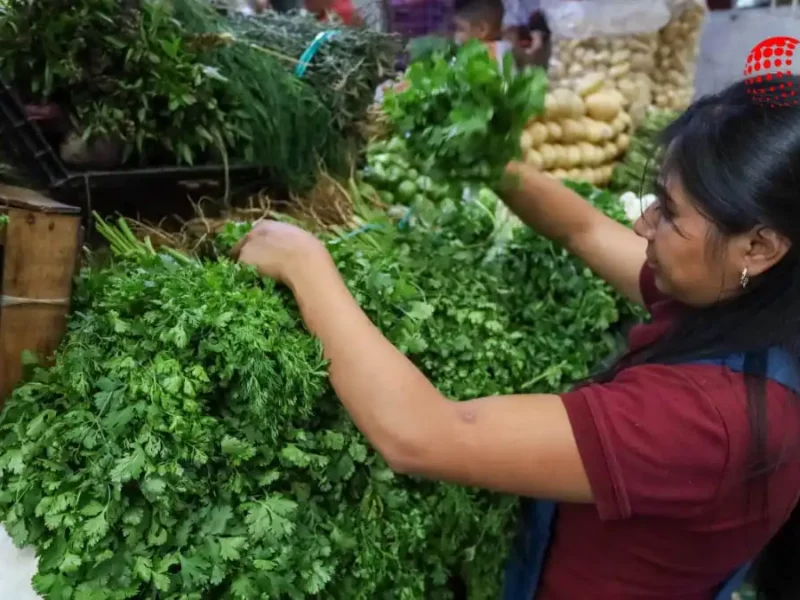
<point x="279" y="250"/>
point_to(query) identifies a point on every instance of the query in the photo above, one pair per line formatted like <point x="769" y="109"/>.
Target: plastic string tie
<point x="406" y="220"/>
<point x="402" y="224"/>
<point x="16" y="301"/>
<point x="312" y="49"/>
<point x="355" y="232"/>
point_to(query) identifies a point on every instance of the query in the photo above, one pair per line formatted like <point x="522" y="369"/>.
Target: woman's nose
<point x="645" y="225"/>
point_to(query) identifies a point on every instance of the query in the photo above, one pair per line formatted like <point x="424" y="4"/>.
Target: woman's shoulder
<point x="664" y="439"/>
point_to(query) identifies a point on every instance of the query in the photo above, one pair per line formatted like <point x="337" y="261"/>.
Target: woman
<point x="671" y="472"/>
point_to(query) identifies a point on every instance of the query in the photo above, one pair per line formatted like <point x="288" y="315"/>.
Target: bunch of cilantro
<point x="185" y="444"/>
<point x="463" y="113"/>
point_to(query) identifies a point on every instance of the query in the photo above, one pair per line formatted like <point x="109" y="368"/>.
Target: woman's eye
<point x="663" y="209"/>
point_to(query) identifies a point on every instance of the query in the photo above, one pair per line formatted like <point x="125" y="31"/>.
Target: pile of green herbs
<point x="345" y="70"/>
<point x="123" y="72"/>
<point x="181" y="83"/>
<point x="638" y="169"/>
<point x="185" y="444"/>
<point x="463" y="113"/>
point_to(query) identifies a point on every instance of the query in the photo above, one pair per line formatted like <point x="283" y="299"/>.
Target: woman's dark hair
<point x="538" y="22"/>
<point x="739" y="161"/>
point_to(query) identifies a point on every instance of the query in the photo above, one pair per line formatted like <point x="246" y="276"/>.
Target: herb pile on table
<point x="181" y="83"/>
<point x="186" y="444"/>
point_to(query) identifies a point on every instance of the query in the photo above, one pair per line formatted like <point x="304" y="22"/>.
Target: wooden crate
<point x="40" y="252"/>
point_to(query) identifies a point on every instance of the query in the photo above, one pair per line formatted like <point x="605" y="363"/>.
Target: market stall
<point x="185" y="441"/>
<point x="112" y="95"/>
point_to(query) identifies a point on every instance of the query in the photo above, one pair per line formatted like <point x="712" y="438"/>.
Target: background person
<point x="482" y="20"/>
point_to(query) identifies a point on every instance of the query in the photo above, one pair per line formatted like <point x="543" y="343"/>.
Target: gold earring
<point x="744" y="279"/>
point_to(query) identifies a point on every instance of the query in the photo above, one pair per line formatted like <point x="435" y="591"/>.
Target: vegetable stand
<point x="185" y="443"/>
<point x="298" y="504"/>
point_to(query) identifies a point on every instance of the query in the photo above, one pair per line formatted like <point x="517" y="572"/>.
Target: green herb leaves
<point x="124" y="73"/>
<point x="186" y="444"/>
<point x="466" y="111"/>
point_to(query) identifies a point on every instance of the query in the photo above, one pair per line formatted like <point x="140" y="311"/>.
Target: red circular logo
<point x="768" y="72"/>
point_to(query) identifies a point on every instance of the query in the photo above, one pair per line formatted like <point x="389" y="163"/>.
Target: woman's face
<point x="692" y="263"/>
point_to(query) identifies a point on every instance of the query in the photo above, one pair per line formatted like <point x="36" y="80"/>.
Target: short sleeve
<point x="652" y="443"/>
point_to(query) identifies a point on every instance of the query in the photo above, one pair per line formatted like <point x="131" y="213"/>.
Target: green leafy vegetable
<point x="637" y="171"/>
<point x="121" y="72"/>
<point x="465" y="112"/>
<point x="186" y="445"/>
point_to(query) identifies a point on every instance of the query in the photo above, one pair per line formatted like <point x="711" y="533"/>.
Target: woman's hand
<point x="279" y="250"/>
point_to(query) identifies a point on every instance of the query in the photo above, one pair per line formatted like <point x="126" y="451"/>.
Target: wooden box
<point x="39" y="252"/>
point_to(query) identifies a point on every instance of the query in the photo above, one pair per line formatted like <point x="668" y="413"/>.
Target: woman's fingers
<point x="256" y="229"/>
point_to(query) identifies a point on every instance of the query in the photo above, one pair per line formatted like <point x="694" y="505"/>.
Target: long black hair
<point x="739" y="161"/>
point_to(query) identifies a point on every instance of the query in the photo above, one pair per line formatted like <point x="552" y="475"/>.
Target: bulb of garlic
<point x="634" y="206"/>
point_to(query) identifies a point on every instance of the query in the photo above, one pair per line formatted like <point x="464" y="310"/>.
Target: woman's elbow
<point x="404" y="456"/>
<point x="413" y="447"/>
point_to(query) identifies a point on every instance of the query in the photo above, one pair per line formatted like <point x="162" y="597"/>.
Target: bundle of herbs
<point x="464" y="114"/>
<point x="291" y="129"/>
<point x="346" y="68"/>
<point x="169" y="83"/>
<point x="186" y="444"/>
<point x="122" y="72"/>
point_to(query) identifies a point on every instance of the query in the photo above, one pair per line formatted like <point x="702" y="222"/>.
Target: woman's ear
<point x="765" y="248"/>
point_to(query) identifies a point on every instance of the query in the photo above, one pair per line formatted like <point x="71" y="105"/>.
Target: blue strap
<point x="404" y="222"/>
<point x="526" y="561"/>
<point x="313" y="47"/>
<point x="355" y="232"/>
<point x="528" y="557"/>
<point x="733" y="583"/>
<point x="781" y="367"/>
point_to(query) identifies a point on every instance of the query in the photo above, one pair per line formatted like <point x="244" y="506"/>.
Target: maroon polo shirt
<point x="666" y="452"/>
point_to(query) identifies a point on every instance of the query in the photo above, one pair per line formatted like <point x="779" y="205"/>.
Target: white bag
<point x="582" y="19"/>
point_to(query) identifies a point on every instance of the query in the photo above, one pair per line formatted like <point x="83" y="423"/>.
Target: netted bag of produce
<point x="581" y="134"/>
<point x="676" y="57"/>
<point x="614" y="39"/>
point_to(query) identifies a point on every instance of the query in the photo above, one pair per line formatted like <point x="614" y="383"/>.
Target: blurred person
<point x="534" y="48"/>
<point x="482" y="20"/>
<point x="343" y="9"/>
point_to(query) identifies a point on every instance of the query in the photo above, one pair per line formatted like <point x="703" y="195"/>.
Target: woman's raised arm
<point x="516" y="444"/>
<point x="614" y="252"/>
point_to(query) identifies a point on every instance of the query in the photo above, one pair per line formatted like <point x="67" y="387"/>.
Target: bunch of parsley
<point x="186" y="444"/>
<point x="465" y="113"/>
